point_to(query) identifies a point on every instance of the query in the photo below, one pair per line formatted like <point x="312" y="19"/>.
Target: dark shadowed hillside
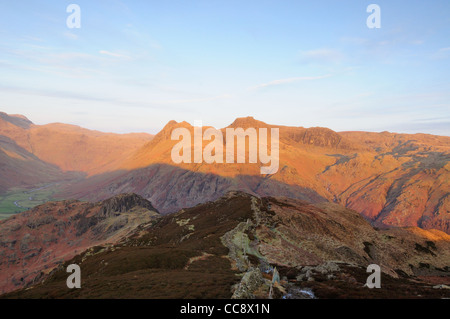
<point x="229" y="248"/>
<point x="32" y="243"/>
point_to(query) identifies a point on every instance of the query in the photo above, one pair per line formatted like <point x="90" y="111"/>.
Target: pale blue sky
<point x="135" y="65"/>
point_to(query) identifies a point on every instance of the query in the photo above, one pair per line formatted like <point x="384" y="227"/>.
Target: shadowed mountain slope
<point x="71" y="147"/>
<point x="32" y="243"/>
<point x="391" y="179"/>
<point x="20" y="168"/>
<point x="228" y="248"/>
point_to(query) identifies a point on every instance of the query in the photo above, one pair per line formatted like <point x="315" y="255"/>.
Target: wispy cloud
<point x="322" y="56"/>
<point x="62" y="63"/>
<point x="207" y="99"/>
<point x="289" y="80"/>
<point x="438" y="127"/>
<point x="417" y="42"/>
<point x="72" y="95"/>
<point x="32" y="38"/>
<point x="354" y="40"/>
<point x="113" y="54"/>
<point x="442" y="53"/>
<point x="71" y="35"/>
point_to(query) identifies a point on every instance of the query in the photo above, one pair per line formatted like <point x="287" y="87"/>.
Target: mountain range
<point x="141" y="226"/>
<point x="390" y="179"/>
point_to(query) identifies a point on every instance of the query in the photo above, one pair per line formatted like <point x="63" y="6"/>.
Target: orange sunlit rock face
<point x="391" y="179"/>
<point x="71" y="147"/>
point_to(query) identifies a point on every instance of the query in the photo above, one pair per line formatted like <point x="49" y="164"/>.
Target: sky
<point x="133" y="66"/>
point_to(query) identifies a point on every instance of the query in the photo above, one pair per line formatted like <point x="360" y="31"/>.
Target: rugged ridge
<point x="17" y="120"/>
<point x="123" y="203"/>
<point x="56" y="143"/>
<point x="391" y="179"/>
<point x="230" y="248"/>
<point x="34" y="242"/>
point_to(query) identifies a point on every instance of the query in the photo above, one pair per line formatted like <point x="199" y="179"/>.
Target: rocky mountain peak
<point x="16" y="119"/>
<point x="246" y="122"/>
<point x="125" y="202"/>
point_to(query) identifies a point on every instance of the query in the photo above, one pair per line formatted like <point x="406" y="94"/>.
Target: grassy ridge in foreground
<point x="228" y="248"/>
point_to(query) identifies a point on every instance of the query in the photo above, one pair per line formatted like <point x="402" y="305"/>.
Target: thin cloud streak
<point x="322" y="56"/>
<point x="289" y="80"/>
<point x="442" y="53"/>
<point x="112" y="54"/>
<point x="171" y="104"/>
<point x="199" y="100"/>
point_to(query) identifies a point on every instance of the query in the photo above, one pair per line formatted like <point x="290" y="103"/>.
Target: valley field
<point x="18" y="200"/>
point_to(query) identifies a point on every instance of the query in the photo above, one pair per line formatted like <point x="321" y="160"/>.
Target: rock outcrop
<point x="34" y="242"/>
<point x="231" y="247"/>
